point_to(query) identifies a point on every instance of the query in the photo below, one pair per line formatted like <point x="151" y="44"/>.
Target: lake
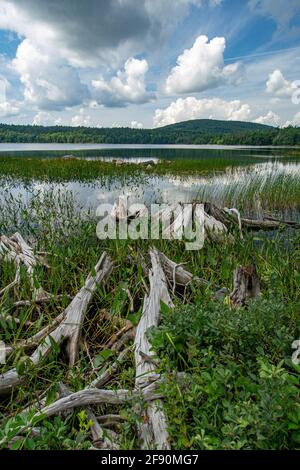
<point x="259" y="181"/>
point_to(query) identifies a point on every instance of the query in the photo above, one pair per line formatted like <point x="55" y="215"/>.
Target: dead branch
<point x="15" y="249"/>
<point x="176" y="272"/>
<point x="69" y="329"/>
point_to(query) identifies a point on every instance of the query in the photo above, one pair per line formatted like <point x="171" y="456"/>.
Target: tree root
<point x="68" y="329"/>
<point x="15" y="249"/>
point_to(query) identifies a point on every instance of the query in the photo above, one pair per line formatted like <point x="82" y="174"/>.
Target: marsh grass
<point x="54" y="223"/>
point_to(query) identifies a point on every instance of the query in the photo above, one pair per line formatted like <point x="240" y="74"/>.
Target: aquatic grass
<point x="255" y="191"/>
<point x="54" y="221"/>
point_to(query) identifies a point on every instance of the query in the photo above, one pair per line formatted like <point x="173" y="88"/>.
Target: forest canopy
<point x="188" y="132"/>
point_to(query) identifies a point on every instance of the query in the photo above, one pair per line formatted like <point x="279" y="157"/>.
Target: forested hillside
<point x="189" y="132"/>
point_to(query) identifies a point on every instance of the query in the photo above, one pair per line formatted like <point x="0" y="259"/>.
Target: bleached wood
<point x="176" y="272"/>
<point x="69" y="329"/>
<point x="153" y="427"/>
<point x="15" y="249"/>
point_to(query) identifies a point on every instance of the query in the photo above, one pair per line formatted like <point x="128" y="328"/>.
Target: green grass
<point x="242" y="389"/>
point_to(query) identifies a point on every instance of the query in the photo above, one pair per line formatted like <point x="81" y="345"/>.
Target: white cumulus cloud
<point x="81" y="119"/>
<point x="136" y="125"/>
<point x="202" y="67"/>
<point x="192" y="108"/>
<point x="270" y="119"/>
<point x="279" y="86"/>
<point x="128" y="86"/>
<point x="49" y="83"/>
<point x="294" y="122"/>
<point x="8" y="109"/>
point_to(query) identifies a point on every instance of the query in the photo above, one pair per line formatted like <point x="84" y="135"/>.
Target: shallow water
<point x="257" y="180"/>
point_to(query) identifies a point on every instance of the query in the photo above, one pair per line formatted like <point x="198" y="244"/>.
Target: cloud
<point x="93" y="32"/>
<point x="43" y="118"/>
<point x="295" y="121"/>
<point x="279" y="86"/>
<point x="81" y="119"/>
<point x="8" y="109"/>
<point x="271" y="119"/>
<point x="128" y="86"/>
<point x="192" y="108"/>
<point x="202" y="67"/>
<point x="136" y="125"/>
<point x="49" y="83"/>
<point x="281" y="11"/>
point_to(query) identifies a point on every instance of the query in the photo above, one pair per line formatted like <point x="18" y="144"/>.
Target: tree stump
<point x="246" y="285"/>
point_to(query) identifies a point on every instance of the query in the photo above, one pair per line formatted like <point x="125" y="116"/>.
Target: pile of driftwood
<point x="165" y="276"/>
<point x="218" y="223"/>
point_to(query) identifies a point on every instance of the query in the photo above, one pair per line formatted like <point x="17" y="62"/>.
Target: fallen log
<point x="94" y="396"/>
<point x="69" y="329"/>
<point x="230" y="217"/>
<point x="153" y="427"/>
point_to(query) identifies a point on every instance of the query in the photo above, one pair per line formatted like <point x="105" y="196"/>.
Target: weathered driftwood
<point x="34" y="340"/>
<point x="110" y="420"/>
<point x="296" y="353"/>
<point x="94" y="396"/>
<point x="121" y="211"/>
<point x="153" y="427"/>
<point x="214" y="229"/>
<point x="127" y="326"/>
<point x="290" y="223"/>
<point x="246" y="285"/>
<point x="230" y="217"/>
<point x="183" y="217"/>
<point x="69" y="328"/>
<point x="41" y="300"/>
<point x="177" y="275"/>
<point x="15" y="249"/>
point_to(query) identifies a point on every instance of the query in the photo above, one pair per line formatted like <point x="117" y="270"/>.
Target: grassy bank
<point x="242" y="390"/>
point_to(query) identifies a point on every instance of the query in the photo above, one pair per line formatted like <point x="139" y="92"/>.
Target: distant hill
<point x="198" y="131"/>
<point x="214" y="126"/>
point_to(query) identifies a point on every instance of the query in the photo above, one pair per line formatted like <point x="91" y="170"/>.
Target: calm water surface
<point x="248" y="175"/>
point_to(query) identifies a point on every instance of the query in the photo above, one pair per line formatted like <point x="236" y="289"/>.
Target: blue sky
<point x="145" y="63"/>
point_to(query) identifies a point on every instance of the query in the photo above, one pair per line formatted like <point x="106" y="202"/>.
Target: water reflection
<point x="256" y="189"/>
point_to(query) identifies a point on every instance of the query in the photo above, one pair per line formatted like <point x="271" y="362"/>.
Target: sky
<point x="149" y="63"/>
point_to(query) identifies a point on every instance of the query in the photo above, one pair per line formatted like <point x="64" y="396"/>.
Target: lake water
<point x="260" y="180"/>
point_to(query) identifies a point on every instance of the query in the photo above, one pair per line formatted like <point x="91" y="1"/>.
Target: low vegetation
<point x="241" y="389"/>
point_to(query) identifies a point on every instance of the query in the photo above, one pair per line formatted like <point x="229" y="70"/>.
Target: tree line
<point x="167" y="135"/>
